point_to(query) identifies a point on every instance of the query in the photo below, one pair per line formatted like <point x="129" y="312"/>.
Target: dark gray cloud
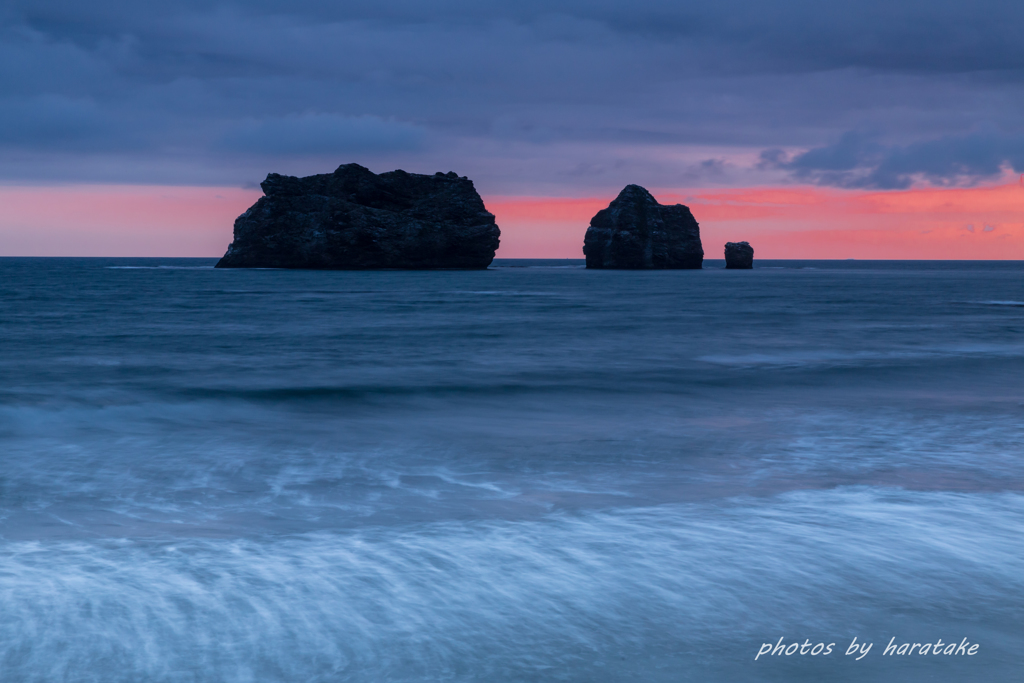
<point x="322" y="134"/>
<point x="919" y="35"/>
<point x="555" y="96"/>
<point x="860" y="161"/>
<point x="53" y="122"/>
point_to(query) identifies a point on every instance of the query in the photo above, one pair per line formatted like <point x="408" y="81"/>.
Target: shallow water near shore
<point x="530" y="473"/>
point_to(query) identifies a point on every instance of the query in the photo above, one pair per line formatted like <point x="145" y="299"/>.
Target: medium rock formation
<point x="635" y="231"/>
<point x="353" y="219"/>
<point x="739" y="255"/>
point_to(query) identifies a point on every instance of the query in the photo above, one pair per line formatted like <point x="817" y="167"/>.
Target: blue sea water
<point x="530" y="473"/>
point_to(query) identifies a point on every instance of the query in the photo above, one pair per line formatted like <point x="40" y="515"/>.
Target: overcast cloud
<point x="526" y="97"/>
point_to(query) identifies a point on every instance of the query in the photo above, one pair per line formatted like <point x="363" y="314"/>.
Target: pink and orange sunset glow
<point x="120" y="221"/>
<point x="800" y="222"/>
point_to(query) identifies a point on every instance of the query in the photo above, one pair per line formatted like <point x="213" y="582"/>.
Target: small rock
<point x="739" y="255"/>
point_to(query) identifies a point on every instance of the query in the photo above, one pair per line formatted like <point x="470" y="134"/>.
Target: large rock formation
<point x="739" y="255"/>
<point x="635" y="231"/>
<point x="354" y="219"/>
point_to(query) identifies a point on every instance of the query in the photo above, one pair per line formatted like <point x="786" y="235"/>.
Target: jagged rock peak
<point x="636" y="232"/>
<point x="354" y="219"/>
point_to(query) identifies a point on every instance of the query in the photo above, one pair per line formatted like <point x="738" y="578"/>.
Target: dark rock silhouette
<point x="353" y="219"/>
<point x="635" y="231"/>
<point x="739" y="255"/>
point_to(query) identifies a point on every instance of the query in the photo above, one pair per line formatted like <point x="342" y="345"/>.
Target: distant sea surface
<point x="530" y="473"/>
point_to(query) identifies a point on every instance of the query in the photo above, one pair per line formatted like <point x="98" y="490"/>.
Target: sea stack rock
<point x="353" y="219"/>
<point x="739" y="255"/>
<point x="635" y="231"/>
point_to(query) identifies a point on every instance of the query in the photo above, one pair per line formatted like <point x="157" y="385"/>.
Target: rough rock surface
<point x="353" y="219"/>
<point x="739" y="255"/>
<point x="635" y="231"/>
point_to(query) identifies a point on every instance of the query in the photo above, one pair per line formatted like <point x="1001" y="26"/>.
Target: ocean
<point x="530" y="473"/>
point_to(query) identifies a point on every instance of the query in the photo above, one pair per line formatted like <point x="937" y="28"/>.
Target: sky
<point x="874" y="129"/>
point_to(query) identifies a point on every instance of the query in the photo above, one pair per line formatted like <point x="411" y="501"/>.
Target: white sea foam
<point x="559" y="597"/>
